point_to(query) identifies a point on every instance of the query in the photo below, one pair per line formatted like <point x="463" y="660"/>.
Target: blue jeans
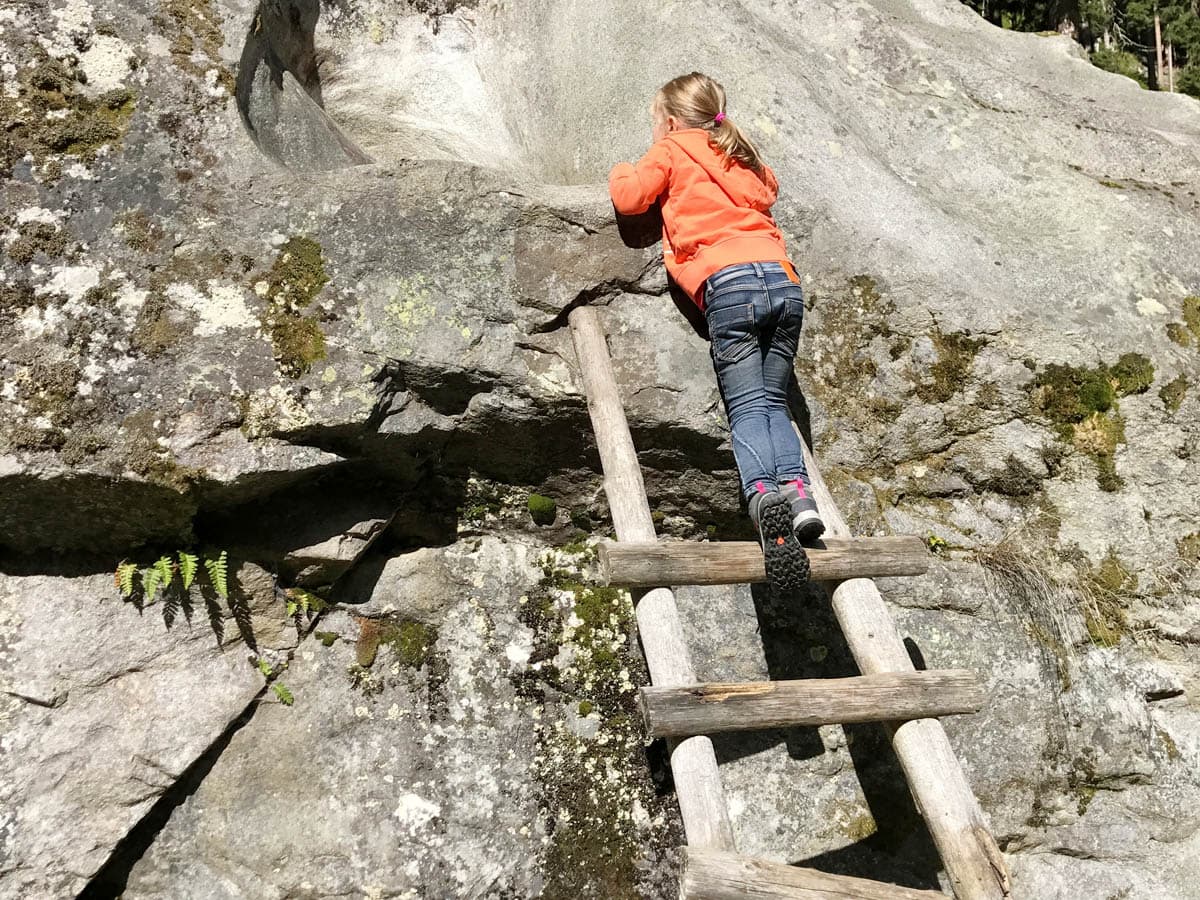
<point x="754" y="313"/>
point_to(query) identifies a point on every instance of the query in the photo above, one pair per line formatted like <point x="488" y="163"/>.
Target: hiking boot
<point x="806" y="521"/>
<point x="786" y="562"/>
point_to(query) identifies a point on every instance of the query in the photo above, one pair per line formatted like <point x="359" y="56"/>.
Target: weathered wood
<point x="886" y="697"/>
<point x="957" y="825"/>
<point x="739" y="562"/>
<point x="709" y="875"/>
<point x="693" y="762"/>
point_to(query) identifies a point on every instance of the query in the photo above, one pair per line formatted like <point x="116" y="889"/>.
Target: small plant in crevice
<point x="271" y="674"/>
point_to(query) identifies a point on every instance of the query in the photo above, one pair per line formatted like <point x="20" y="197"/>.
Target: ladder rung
<point x="736" y="562"/>
<point x="885" y="697"/>
<point x="712" y="875"/>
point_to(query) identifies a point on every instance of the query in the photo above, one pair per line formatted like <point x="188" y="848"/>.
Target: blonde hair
<point x="697" y="101"/>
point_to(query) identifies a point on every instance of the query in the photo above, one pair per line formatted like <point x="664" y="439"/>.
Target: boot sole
<point x="808" y="527"/>
<point x="786" y="562"/>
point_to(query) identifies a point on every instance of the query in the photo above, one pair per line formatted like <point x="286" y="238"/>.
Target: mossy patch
<point x="591" y="788"/>
<point x="35" y="238"/>
<point x="410" y="641"/>
<point x="51" y="115"/>
<point x="1111" y="584"/>
<point x="1189" y="547"/>
<point x="141" y="232"/>
<point x="1081" y="404"/>
<point x="1187" y="332"/>
<point x="295" y="280"/>
<point x="543" y="510"/>
<point x="158" y="327"/>
<point x="955" y="354"/>
<point x="1174" y="392"/>
<point x="145" y="456"/>
<point x="196" y="38"/>
<point x="841" y="363"/>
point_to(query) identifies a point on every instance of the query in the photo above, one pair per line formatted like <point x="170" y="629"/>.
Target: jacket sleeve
<point x="634" y="188"/>
<point x="772" y="183"/>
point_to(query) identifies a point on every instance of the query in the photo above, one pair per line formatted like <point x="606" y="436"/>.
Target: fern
<point x="264" y="667"/>
<point x="304" y="601"/>
<point x="166" y="570"/>
<point x="284" y="695"/>
<point x="218" y="570"/>
<point x="125" y="573"/>
<point x="151" y="578"/>
<point x="187" y="568"/>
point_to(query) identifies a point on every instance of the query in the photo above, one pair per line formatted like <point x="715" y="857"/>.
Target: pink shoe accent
<point x="799" y="487"/>
<point x="762" y="489"/>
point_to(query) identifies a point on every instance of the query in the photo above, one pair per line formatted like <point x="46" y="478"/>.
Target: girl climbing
<point x="723" y="248"/>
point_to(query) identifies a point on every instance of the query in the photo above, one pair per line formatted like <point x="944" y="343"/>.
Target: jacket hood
<point x="741" y="183"/>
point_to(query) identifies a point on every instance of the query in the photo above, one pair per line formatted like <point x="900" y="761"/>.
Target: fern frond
<point x="151" y="578"/>
<point x="308" y="602"/>
<point x="166" y="570"/>
<point x="125" y="573"/>
<point x="284" y="695"/>
<point x="264" y="667"/>
<point x="218" y="571"/>
<point x="292" y="608"/>
<point x="187" y="568"/>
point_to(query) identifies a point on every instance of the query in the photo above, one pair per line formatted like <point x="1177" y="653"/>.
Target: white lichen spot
<point x="416" y="812"/>
<point x="1148" y="306"/>
<point x="106" y="63"/>
<point x="37" y="214"/>
<point x="74" y="281"/>
<point x="222" y="309"/>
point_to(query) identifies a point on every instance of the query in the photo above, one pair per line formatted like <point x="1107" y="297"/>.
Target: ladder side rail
<point x="973" y="861"/>
<point x="693" y="761"/>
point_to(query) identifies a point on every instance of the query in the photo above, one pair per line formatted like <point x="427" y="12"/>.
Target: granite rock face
<point x="290" y="280"/>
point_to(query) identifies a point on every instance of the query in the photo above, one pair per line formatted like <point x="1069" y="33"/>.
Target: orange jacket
<point x="715" y="211"/>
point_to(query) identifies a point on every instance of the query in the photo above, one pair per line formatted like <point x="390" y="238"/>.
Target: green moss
<point x="1110" y="585"/>
<point x="1189" y="547"/>
<point x="1179" y="334"/>
<point x="1081" y="404"/>
<point x="593" y="840"/>
<point x="295" y="280"/>
<point x="542" y="509"/>
<point x="156" y="330"/>
<point x="861" y="827"/>
<point x="195" y="29"/>
<point x="24" y="436"/>
<point x="327" y="638"/>
<point x="1169" y="745"/>
<point x="51" y="115"/>
<point x="1174" y="392"/>
<point x="297" y="275"/>
<point x="139" y="230"/>
<point x="37" y="237"/>
<point x="1067" y="394"/>
<point x="145" y="456"/>
<point x="1191" y="315"/>
<point x="955" y="355"/>
<point x="410" y="641"/>
<point x="1133" y="374"/>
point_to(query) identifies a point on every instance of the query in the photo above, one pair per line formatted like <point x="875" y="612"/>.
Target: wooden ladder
<point x="685" y="712"/>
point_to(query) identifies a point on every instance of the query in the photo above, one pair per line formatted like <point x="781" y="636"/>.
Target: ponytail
<point x="736" y="145"/>
<point x="699" y="102"/>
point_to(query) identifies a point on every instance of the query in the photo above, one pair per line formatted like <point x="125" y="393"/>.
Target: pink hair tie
<point x="719" y="118"/>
